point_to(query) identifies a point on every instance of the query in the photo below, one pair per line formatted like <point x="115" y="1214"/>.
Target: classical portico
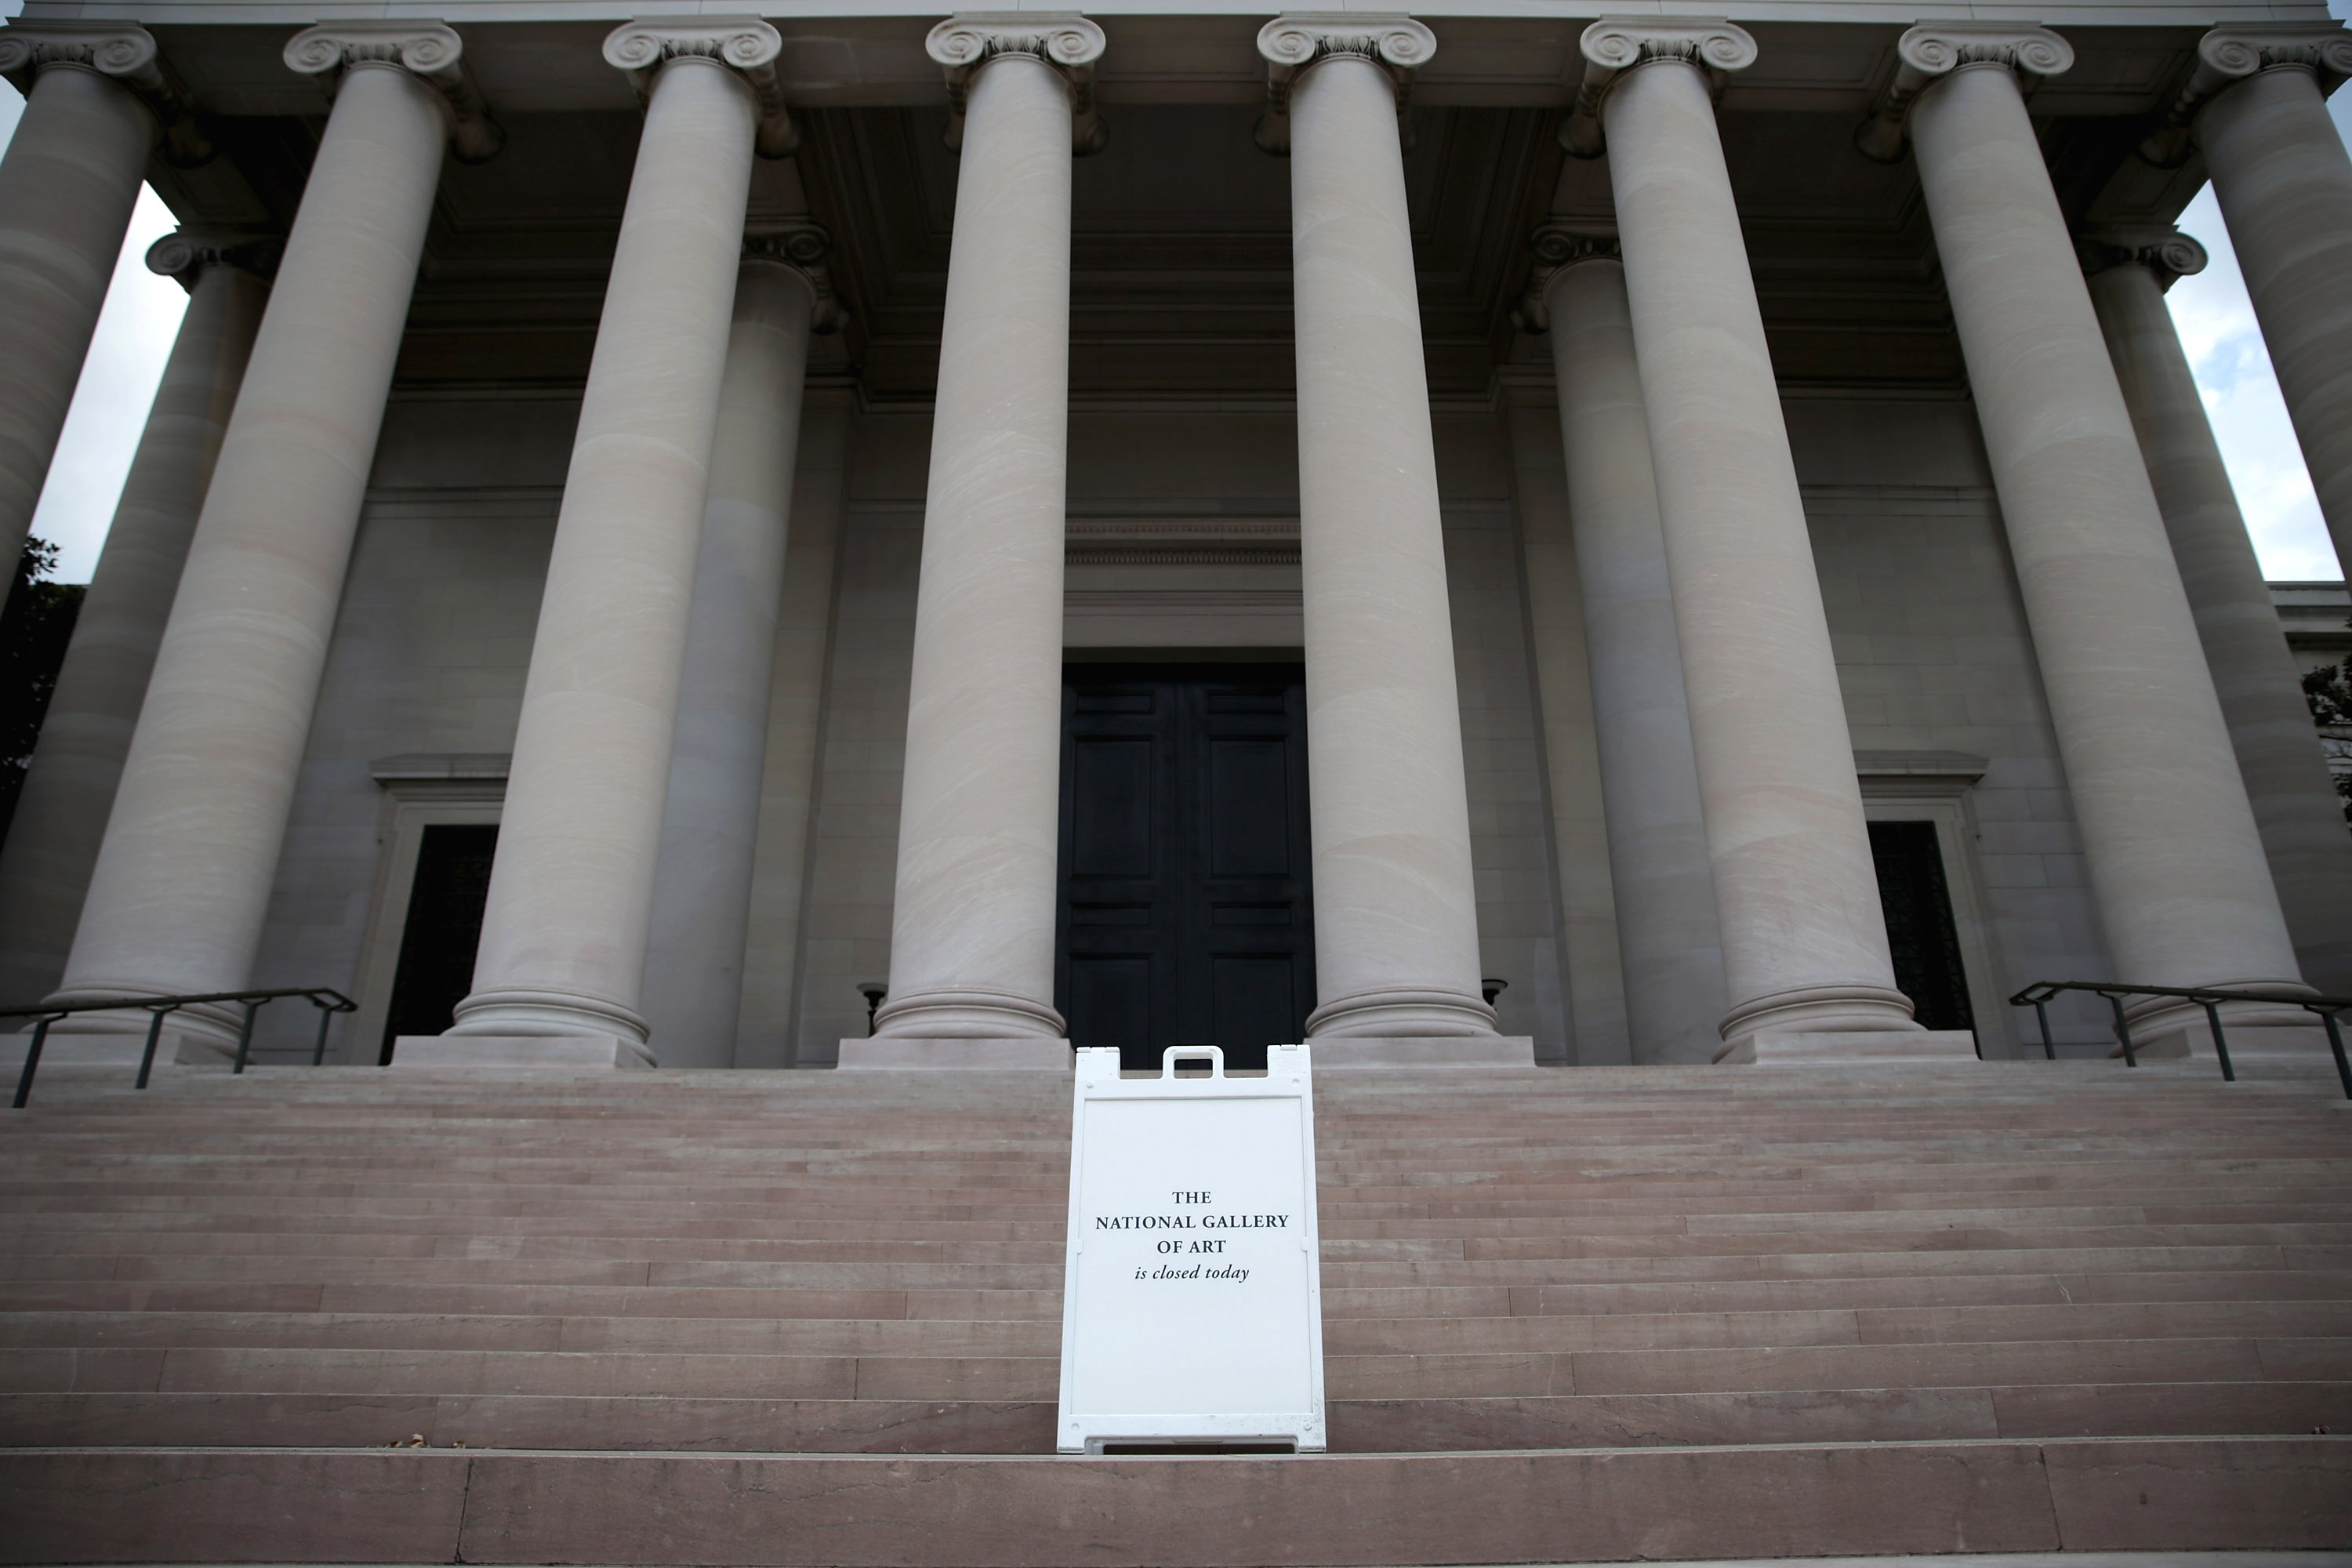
<point x="1715" y="511"/>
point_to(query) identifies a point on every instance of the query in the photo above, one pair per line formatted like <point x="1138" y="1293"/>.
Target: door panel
<point x="1186" y="916"/>
<point x="436" y="970"/>
<point x="1921" y="936"/>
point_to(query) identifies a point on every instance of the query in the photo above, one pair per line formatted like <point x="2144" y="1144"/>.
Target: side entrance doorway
<point x="1186" y="910"/>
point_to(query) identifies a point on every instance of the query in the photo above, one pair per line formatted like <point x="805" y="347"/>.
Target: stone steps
<point x="1752" y="1500"/>
<point x="1562" y="1265"/>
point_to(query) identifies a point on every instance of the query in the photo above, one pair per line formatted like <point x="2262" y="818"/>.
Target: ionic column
<point x="2176" y="866"/>
<point x="564" y="927"/>
<point x="176" y="901"/>
<point x="1804" y="944"/>
<point x="2295" y="802"/>
<point x="94" y="97"/>
<point x="1666" y="927"/>
<point x="2285" y="183"/>
<point x="52" y="844"/>
<point x="710" y="817"/>
<point x="1396" y="916"/>
<point x="971" y="935"/>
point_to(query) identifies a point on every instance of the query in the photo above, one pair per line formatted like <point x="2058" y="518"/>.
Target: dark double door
<point x="1186" y="915"/>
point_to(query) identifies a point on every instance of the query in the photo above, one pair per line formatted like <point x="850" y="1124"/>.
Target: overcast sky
<point x="2216" y="324"/>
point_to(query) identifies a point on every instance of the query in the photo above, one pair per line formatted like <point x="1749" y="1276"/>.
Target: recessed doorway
<point x="441" y="931"/>
<point x="1922" y="938"/>
<point x="1186" y="909"/>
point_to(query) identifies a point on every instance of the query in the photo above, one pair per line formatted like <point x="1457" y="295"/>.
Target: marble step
<point x="393" y="1506"/>
<point x="1338" y="1302"/>
<point x="770" y="1425"/>
<point x="1790" y="1368"/>
<point x="1413" y="1336"/>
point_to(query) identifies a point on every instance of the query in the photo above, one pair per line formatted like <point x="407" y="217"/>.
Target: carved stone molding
<point x="1558" y="247"/>
<point x="1615" y="45"/>
<point x="1296" y="43"/>
<point x="119" y="52"/>
<point x="184" y="254"/>
<point x="2229" y="55"/>
<point x="1067" y="43"/>
<point x="2166" y="252"/>
<point x="1935" y="50"/>
<point x="744" y="45"/>
<point x="801" y="245"/>
<point x="429" y="52"/>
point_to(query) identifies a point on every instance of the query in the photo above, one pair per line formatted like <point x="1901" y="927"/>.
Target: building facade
<point x="855" y="537"/>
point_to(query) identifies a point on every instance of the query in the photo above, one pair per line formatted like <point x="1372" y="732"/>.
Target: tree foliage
<point x="2328" y="690"/>
<point x="35" y="626"/>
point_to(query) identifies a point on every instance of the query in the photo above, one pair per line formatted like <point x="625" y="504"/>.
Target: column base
<point x="1403" y="1013"/>
<point x="1350" y="1053"/>
<point x="510" y="1053"/>
<point x="217" y="1022"/>
<point x="969" y="1013"/>
<point x="513" y="1012"/>
<point x="1849" y="1048"/>
<point x="955" y="1053"/>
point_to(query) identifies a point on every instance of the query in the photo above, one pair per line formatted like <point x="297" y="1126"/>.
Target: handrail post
<point x="319" y="1047"/>
<point x="2334" y="1043"/>
<point x="41" y="1034"/>
<point x="155" y="1016"/>
<point x="244" y="1037"/>
<point x="2042" y="1012"/>
<point x="2220" y="1045"/>
<point x="2122" y="1031"/>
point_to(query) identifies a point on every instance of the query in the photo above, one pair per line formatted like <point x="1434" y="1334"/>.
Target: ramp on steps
<point x="1591" y="1314"/>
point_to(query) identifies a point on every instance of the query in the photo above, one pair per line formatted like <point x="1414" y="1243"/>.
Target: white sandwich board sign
<point x="1192" y="1303"/>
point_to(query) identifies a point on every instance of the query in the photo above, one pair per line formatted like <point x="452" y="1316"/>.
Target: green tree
<point x="35" y="626"/>
<point x="2328" y="690"/>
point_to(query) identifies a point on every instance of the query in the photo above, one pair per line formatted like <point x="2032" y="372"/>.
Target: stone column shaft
<point x="44" y="867"/>
<point x="702" y="886"/>
<point x="2285" y="183"/>
<point x="67" y="183"/>
<point x="2287" y="784"/>
<point x="176" y="901"/>
<point x="1666" y="926"/>
<point x="971" y="942"/>
<point x="570" y="898"/>
<point x="1804" y="944"/>
<point x="2176" y="863"/>
<point x="1396" y="912"/>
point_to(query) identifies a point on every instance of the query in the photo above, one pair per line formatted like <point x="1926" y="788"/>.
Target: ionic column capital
<point x="800" y="245"/>
<point x="429" y="52"/>
<point x="1615" y="45"/>
<point x="122" y="53"/>
<point x="1066" y="44"/>
<point x="744" y="45"/>
<point x="1557" y="247"/>
<point x="1933" y="50"/>
<point x="185" y="254"/>
<point x="2230" y="53"/>
<point x="1296" y="43"/>
<point x="2169" y="253"/>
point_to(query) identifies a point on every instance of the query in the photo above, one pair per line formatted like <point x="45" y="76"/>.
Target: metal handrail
<point x="328" y="1002"/>
<point x="2039" y="994"/>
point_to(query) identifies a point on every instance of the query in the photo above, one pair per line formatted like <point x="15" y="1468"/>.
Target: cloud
<point x="2217" y="326"/>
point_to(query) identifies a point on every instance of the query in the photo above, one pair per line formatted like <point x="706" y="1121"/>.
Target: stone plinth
<point x="506" y="1053"/>
<point x="1850" y="1048"/>
<point x="948" y="1053"/>
<point x="1344" y="1052"/>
